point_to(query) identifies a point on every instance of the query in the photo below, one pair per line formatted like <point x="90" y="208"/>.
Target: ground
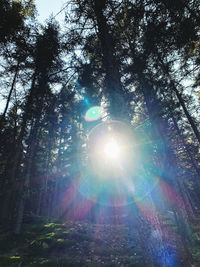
<point x="62" y="244"/>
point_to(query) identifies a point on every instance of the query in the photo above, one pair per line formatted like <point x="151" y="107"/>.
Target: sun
<point x="112" y="149"/>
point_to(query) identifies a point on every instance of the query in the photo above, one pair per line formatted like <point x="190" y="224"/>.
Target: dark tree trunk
<point x="113" y="84"/>
<point x="187" y="114"/>
<point x="181" y="100"/>
<point x="10" y="94"/>
<point x="25" y="181"/>
<point x="17" y="158"/>
<point x="189" y="155"/>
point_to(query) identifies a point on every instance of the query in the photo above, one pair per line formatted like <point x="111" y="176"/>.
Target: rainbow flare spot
<point x="94" y="113"/>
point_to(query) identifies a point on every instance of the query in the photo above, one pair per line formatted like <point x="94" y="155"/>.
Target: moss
<point x="54" y="226"/>
<point x="60" y="262"/>
<point x="51" y="234"/>
<point x="75" y="244"/>
<point x="43" y="263"/>
<point x="13" y="261"/>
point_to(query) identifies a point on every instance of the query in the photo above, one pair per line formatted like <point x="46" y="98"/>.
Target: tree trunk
<point x="184" y="145"/>
<point x="20" y="213"/>
<point x="17" y="158"/>
<point x="38" y="210"/>
<point x="187" y="114"/>
<point x="112" y="80"/>
<point x="10" y="94"/>
<point x="25" y="181"/>
<point x="181" y="100"/>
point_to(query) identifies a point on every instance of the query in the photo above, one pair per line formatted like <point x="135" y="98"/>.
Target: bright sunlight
<point x="112" y="149"/>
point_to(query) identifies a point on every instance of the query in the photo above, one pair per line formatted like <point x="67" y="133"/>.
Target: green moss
<point x="60" y="262"/>
<point x="43" y="263"/>
<point x="75" y="244"/>
<point x="54" y="226"/>
<point x="52" y="234"/>
<point x="10" y="261"/>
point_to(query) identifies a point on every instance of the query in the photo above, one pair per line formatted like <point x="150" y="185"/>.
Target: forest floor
<point x="51" y="244"/>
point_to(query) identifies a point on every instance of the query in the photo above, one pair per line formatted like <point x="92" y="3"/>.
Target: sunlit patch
<point x="94" y="113"/>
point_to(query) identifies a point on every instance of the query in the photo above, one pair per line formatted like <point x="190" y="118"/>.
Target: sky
<point x="47" y="7"/>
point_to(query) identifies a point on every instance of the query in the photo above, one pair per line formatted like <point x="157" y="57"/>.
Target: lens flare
<point x="94" y="113"/>
<point x="112" y="149"/>
<point x="116" y="166"/>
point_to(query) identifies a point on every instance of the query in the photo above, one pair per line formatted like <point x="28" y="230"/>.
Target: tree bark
<point x="10" y="94"/>
<point x="25" y="181"/>
<point x="187" y="114"/>
<point x="184" y="144"/>
<point x="181" y="100"/>
<point x="17" y="158"/>
<point x="112" y="79"/>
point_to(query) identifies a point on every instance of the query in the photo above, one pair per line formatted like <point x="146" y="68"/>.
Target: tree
<point x="13" y="15"/>
<point x="45" y="60"/>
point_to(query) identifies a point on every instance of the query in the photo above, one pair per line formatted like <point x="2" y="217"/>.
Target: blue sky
<point x="46" y="7"/>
